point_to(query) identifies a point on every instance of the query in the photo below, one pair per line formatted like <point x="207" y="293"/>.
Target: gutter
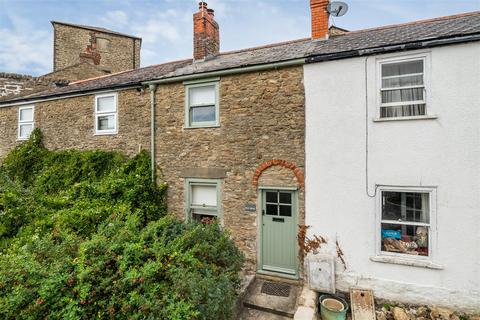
<point x="392" y="48"/>
<point x="237" y="70"/>
<point x="153" y="89"/>
<point x="232" y="71"/>
<point x="19" y="101"/>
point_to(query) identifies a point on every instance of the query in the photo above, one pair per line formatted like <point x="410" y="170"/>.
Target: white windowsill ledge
<point x="428" y="117"/>
<point x="105" y="133"/>
<point x="407" y="262"/>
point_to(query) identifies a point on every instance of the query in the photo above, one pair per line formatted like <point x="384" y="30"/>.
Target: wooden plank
<point x="363" y="305"/>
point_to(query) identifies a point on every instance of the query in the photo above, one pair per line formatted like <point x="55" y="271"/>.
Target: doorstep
<point x="274" y="297"/>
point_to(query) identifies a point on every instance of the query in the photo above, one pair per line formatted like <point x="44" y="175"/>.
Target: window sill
<point x="407" y="262"/>
<point x="428" y="117"/>
<point x="203" y="127"/>
<point x="105" y="133"/>
<point x="22" y="139"/>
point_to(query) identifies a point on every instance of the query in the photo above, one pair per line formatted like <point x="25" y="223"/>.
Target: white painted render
<point x="442" y="152"/>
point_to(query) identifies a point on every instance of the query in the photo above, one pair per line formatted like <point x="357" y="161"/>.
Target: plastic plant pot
<point x="333" y="308"/>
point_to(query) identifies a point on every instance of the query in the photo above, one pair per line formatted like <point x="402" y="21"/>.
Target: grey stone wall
<point x="70" y="41"/>
<point x="80" y="71"/>
<point x="261" y="118"/>
<point x="69" y="124"/>
<point x="13" y="84"/>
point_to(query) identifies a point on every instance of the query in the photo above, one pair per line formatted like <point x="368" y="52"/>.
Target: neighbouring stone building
<point x="226" y="130"/>
<point x="109" y="51"/>
<point x="79" y="52"/>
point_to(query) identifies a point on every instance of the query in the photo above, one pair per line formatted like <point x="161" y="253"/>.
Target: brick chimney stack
<point x="320" y="17"/>
<point x="206" y="33"/>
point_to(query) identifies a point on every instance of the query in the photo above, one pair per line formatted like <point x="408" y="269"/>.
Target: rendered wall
<point x="442" y="152"/>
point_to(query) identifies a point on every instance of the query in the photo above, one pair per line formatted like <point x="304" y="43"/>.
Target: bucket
<point x="332" y="308"/>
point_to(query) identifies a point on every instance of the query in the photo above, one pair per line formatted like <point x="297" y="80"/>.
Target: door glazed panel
<point x="278" y="231"/>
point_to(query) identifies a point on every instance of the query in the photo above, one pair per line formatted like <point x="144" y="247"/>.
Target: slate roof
<point x="116" y="80"/>
<point x="420" y="31"/>
<point x="452" y="26"/>
<point x="99" y="29"/>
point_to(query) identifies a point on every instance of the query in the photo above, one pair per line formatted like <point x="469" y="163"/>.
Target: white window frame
<point x="197" y="84"/>
<point x="106" y="113"/>
<point x="24" y="122"/>
<point x="432" y="228"/>
<point x="189" y="183"/>
<point x="398" y="58"/>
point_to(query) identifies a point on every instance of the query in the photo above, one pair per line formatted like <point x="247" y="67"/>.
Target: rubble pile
<point x="388" y="311"/>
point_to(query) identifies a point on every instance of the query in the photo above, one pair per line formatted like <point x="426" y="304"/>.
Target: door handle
<point x="278" y="219"/>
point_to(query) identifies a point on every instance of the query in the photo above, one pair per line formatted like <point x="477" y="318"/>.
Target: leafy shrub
<point x="85" y="235"/>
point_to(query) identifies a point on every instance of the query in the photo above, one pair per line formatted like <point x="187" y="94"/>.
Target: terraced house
<point x="232" y="132"/>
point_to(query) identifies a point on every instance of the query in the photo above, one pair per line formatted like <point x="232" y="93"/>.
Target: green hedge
<point x="85" y="235"/>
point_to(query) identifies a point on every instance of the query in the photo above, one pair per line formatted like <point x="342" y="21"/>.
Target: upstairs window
<point x="25" y="122"/>
<point x="202" y="105"/>
<point x="106" y="114"/>
<point x="203" y="199"/>
<point x="403" y="89"/>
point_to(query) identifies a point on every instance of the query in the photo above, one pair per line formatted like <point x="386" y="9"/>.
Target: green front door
<point x="279" y="219"/>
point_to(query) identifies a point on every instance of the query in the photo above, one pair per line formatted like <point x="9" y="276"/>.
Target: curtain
<point x="402" y="84"/>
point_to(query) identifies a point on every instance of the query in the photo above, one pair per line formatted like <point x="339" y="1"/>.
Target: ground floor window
<point x="405" y="223"/>
<point x="203" y="199"/>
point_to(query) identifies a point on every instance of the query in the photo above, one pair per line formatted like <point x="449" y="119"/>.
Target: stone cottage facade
<point x="225" y="130"/>
<point x="261" y="121"/>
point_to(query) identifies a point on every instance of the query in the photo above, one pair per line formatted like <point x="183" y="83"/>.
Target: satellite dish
<point x="337" y="8"/>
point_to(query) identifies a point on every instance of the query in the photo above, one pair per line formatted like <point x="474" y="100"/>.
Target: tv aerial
<point x="337" y="8"/>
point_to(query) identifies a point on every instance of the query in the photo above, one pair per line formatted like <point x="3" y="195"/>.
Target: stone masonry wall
<point x="13" y="84"/>
<point x="80" y="71"/>
<point x="261" y="118"/>
<point x="69" y="124"/>
<point x="70" y="41"/>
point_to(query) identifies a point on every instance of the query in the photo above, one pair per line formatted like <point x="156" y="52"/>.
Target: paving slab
<point x="252" y="314"/>
<point x="362" y="304"/>
<point x="283" y="306"/>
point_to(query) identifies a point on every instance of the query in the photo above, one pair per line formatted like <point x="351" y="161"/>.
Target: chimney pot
<point x="211" y="12"/>
<point x="320" y="17"/>
<point x="202" y="5"/>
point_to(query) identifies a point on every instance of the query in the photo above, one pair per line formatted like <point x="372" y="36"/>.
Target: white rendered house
<point x="393" y="170"/>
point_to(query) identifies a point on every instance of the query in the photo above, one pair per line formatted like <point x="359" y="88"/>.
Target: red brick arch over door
<point x="283" y="163"/>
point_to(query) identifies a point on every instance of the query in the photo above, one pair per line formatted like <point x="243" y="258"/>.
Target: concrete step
<point x="253" y="314"/>
<point x="273" y="304"/>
